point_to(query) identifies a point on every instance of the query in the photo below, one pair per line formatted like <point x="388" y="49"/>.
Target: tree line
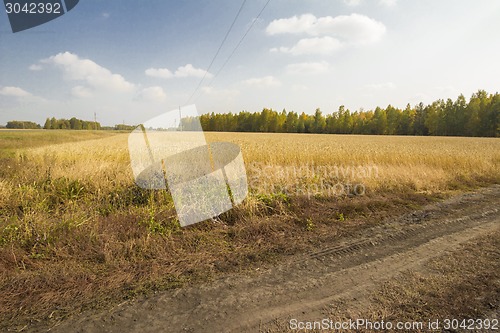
<point x="73" y="123"/>
<point x="16" y="124"/>
<point x="480" y="116"/>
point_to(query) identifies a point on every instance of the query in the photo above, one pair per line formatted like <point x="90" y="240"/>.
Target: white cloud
<point x="105" y="15"/>
<point x="162" y="73"/>
<point x="94" y="75"/>
<point x="35" y="67"/>
<point x="211" y="91"/>
<point x="81" y="92"/>
<point x="382" y="86"/>
<point x="352" y="2"/>
<point x="299" y="87"/>
<point x="388" y="3"/>
<point x="316" y="45"/>
<point x="292" y="25"/>
<point x="14" y="92"/>
<point x="183" y="71"/>
<point x="266" y="81"/>
<point x="153" y="94"/>
<point x="308" y="68"/>
<point x="353" y="29"/>
<point x="189" y="70"/>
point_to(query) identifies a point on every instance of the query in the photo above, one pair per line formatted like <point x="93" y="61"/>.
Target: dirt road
<point x="304" y="284"/>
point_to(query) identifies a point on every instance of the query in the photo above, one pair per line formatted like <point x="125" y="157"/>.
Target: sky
<point x="130" y="60"/>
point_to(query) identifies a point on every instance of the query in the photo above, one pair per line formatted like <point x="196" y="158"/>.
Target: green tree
<point x="393" y="118"/>
<point x="291" y="122"/>
<point x="419" y="127"/>
<point x="379" y="123"/>
<point x="319" y="123"/>
<point x="345" y="120"/>
<point x="47" y="124"/>
<point x="53" y="123"/>
<point x="405" y="123"/>
<point x="432" y="118"/>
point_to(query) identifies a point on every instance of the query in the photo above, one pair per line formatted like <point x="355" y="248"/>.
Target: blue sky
<point x="130" y="60"/>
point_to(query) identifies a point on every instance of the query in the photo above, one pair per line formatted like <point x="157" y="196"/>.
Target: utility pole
<point x="180" y="118"/>
<point x="95" y="121"/>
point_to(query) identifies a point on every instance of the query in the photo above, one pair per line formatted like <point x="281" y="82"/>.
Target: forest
<point x="480" y="116"/>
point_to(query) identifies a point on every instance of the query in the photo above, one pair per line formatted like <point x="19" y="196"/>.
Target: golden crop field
<point x="381" y="163"/>
<point x="75" y="229"/>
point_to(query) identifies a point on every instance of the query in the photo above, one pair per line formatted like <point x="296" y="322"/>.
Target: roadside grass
<point x="76" y="232"/>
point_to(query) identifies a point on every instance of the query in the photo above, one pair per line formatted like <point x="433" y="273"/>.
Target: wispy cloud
<point x="300" y="87"/>
<point x="266" y="81"/>
<point x="343" y="29"/>
<point x="352" y="3"/>
<point x="35" y="67"/>
<point x="81" y="92"/>
<point x="381" y="86"/>
<point x="316" y="45"/>
<point x="182" y="71"/>
<point x="14" y="92"/>
<point x="388" y="3"/>
<point x="153" y="94"/>
<point x="163" y="73"/>
<point x="308" y="68"/>
<point x="211" y="91"/>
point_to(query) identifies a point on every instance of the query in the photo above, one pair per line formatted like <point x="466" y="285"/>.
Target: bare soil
<point x="306" y="285"/>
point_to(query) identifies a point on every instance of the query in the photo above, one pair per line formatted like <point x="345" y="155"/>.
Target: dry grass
<point x="75" y="231"/>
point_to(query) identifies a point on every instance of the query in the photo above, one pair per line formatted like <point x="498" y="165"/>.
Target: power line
<point x="217" y="53"/>
<point x="239" y="43"/>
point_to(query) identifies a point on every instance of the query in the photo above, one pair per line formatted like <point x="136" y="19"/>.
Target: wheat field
<point x="382" y="162"/>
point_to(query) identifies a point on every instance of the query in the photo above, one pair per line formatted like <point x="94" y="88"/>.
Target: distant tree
<point x="47" y="124"/>
<point x="73" y="123"/>
<point x="494" y="114"/>
<point x="281" y="122"/>
<point x="379" y="125"/>
<point x="123" y="127"/>
<point x="432" y="117"/>
<point x="53" y="123"/>
<point x="272" y="122"/>
<point x="406" y="119"/>
<point x="393" y="118"/>
<point x="419" y="127"/>
<point x="291" y="122"/>
<point x="16" y="124"/>
<point x="319" y="122"/>
<point x="301" y="123"/>
<point x="345" y="121"/>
